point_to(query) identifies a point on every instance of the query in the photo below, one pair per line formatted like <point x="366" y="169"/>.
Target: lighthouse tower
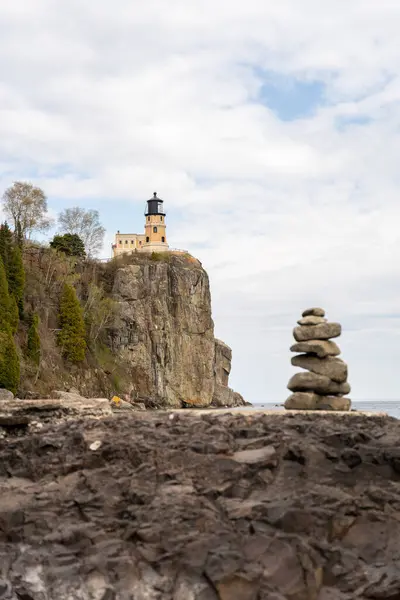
<point x="155" y="227"/>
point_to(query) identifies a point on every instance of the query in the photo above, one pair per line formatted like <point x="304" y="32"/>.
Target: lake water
<point x="391" y="407"/>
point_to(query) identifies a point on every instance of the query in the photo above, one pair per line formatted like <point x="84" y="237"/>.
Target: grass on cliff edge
<point x="138" y="258"/>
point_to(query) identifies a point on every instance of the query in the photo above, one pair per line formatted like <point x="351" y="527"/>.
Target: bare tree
<point x="99" y="312"/>
<point x="86" y="224"/>
<point x="26" y="205"/>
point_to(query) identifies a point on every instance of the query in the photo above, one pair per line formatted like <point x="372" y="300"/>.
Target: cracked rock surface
<point x="156" y="506"/>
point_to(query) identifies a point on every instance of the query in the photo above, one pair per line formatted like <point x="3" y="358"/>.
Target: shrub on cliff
<point x="13" y="314"/>
<point x="33" y="347"/>
<point x="71" y="338"/>
<point x="160" y="256"/>
<point x="70" y="244"/>
<point x="99" y="313"/>
<point x="9" y="362"/>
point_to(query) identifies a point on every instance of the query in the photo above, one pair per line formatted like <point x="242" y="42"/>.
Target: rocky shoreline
<point x="17" y="417"/>
<point x="201" y="506"/>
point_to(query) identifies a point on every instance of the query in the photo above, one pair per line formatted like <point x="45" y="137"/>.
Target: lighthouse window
<point x="148" y="218"/>
<point x="161" y="219"/>
<point x="163" y="239"/>
<point x="147" y="239"/>
<point x="126" y="241"/>
<point x="154" y="229"/>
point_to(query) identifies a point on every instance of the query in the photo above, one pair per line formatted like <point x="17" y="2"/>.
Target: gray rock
<point x="225" y="396"/>
<point x="320" y="384"/>
<point x="311" y="401"/>
<point x="325" y="331"/>
<point x="302" y="401"/>
<point x="145" y="518"/>
<point x="74" y="390"/>
<point x="256" y="456"/>
<point x="139" y="406"/>
<point x="319" y="347"/>
<point x="311" y="320"/>
<point x="223" y="360"/>
<point x="26" y="412"/>
<point x="333" y="403"/>
<point x="313" y="312"/>
<point x="334" y="368"/>
<point x="164" y="332"/>
<point x="72" y="396"/>
<point x="6" y="395"/>
<point x="122" y="405"/>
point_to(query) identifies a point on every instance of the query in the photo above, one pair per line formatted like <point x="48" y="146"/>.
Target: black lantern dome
<point x="155" y="206"/>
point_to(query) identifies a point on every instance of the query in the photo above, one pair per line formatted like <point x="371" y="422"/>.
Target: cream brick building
<point x="154" y="238"/>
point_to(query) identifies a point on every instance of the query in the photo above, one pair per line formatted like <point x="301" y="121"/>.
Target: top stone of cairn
<point x="314" y="312"/>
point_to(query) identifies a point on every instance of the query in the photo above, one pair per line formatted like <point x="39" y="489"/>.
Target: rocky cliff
<point x="159" y="346"/>
<point x="164" y="333"/>
<point x="223" y="394"/>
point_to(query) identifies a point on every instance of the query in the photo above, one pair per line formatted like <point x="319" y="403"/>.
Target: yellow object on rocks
<point x="116" y="400"/>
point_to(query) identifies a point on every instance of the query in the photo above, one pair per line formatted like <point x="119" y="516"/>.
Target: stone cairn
<point x="324" y="385"/>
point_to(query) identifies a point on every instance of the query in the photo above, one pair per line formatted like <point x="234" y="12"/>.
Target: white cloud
<point x="111" y="101"/>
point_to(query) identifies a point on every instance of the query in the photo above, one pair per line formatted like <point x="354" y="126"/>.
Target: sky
<point x="270" y="129"/>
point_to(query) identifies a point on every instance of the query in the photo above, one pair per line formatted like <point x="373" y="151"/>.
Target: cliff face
<point x="150" y="333"/>
<point x="223" y="394"/>
<point x="164" y="333"/>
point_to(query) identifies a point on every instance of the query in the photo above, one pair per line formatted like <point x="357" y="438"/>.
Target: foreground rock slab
<point x="19" y="413"/>
<point x="178" y="506"/>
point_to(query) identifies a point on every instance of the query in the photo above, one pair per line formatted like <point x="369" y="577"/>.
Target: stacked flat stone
<point x="324" y="384"/>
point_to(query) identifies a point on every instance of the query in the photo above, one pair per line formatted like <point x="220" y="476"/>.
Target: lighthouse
<point x="154" y="238"/>
<point x="155" y="226"/>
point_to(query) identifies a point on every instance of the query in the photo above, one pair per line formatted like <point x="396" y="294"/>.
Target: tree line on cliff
<point x="79" y="238"/>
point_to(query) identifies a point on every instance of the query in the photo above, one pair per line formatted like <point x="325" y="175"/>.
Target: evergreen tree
<point x="11" y="254"/>
<point x="16" y="278"/>
<point x="9" y="318"/>
<point x="9" y="362"/>
<point x="33" y="349"/>
<point x="6" y="244"/>
<point x="72" y="335"/>
<point x="9" y="359"/>
<point x="5" y="303"/>
<point x="70" y="244"/>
